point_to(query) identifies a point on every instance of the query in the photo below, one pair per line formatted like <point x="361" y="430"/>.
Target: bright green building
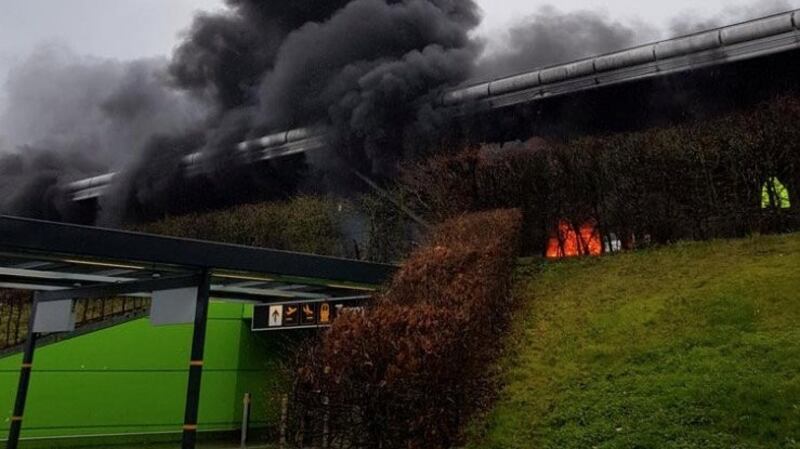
<point x="129" y="382"/>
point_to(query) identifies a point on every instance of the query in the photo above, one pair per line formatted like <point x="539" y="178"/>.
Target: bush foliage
<point x="691" y="181"/>
<point x="388" y="233"/>
<point x="414" y="366"/>
<point x="304" y="224"/>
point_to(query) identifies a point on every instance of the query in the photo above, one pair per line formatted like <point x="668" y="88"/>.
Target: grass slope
<point x="691" y="346"/>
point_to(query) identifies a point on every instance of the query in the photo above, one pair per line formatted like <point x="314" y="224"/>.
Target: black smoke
<point x="550" y="37"/>
<point x="69" y="117"/>
<point x="348" y="71"/>
<point x="31" y="180"/>
<point x="360" y="67"/>
<point x="255" y="68"/>
<point x="357" y="66"/>
<point x="224" y="56"/>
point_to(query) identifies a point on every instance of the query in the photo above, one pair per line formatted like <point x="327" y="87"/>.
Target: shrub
<point x="411" y="369"/>
<point x="304" y="224"/>
<point x="690" y="181"/>
<point x="388" y="230"/>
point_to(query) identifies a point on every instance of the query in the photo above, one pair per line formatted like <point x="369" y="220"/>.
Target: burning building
<point x="272" y="127"/>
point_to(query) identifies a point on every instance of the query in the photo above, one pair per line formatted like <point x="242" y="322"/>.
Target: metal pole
<point x="326" y="423"/>
<point x="196" y="364"/>
<point x="246" y="404"/>
<point x="24" y="380"/>
<point x="284" y="418"/>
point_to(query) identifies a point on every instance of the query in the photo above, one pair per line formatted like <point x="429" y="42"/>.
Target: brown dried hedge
<point x="411" y="369"/>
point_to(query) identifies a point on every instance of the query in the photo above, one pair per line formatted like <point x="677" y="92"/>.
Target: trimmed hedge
<point x="692" y="181"/>
<point x="305" y="224"/>
<point x="415" y="366"/>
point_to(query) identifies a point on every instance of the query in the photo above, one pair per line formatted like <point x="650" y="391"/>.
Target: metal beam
<point x="36" y="236"/>
<point x="228" y="290"/>
<point x="59" y="275"/>
<point x="121" y="288"/>
<point x="24" y="380"/>
<point x="189" y="440"/>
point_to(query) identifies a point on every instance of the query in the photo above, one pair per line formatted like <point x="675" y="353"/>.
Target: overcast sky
<point x="127" y="29"/>
<point x="659" y="13"/>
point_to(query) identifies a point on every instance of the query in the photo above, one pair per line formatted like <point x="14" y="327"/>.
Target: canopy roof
<point x="47" y="256"/>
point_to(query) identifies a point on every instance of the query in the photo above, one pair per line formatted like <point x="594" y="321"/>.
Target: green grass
<point x="691" y="346"/>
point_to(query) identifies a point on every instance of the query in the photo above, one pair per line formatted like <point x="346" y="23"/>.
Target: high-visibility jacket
<point x="775" y="195"/>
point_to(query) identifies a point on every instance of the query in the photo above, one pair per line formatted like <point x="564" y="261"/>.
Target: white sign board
<point x="54" y="316"/>
<point x="276" y="316"/>
<point x="173" y="306"/>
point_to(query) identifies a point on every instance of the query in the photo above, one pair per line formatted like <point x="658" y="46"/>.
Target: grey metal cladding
<point x="472" y="93"/>
<point x="56" y="316"/>
<point x="279" y="139"/>
<point x="91" y="182"/>
<point x="569" y="86"/>
<point x="173" y="306"/>
<point x="273" y="140"/>
<point x="514" y="83"/>
<point x="580" y="68"/>
<point x="796" y="19"/>
<point x="512" y="98"/>
<point x="299" y="134"/>
<point x="193" y="158"/>
<point x="628" y="74"/>
<point x="758" y="29"/>
<point x="266" y="141"/>
<point x="634" y="56"/>
<point x="553" y="75"/>
<point x="687" y="45"/>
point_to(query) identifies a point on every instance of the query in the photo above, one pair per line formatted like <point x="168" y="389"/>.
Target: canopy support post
<point x="189" y="440"/>
<point x="24" y="379"/>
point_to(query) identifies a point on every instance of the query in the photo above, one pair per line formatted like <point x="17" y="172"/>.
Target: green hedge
<point x="305" y="224"/>
<point x="692" y="181"/>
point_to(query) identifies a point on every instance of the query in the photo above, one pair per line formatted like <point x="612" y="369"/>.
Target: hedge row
<point x="305" y="224"/>
<point x="690" y="181"/>
<point x="369" y="227"/>
<point x="414" y="366"/>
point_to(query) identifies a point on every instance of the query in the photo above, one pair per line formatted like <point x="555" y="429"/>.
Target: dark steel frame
<point x="189" y="439"/>
<point x="63" y="239"/>
<point x="121" y="289"/>
<point x="24" y="380"/>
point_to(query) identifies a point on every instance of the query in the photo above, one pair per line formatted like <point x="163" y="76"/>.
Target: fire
<point x="567" y="241"/>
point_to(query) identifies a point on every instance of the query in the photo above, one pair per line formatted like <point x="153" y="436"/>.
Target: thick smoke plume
<point x="359" y="67"/>
<point x="270" y="66"/>
<point x="258" y="67"/>
<point x="69" y="117"/>
<point x="550" y="37"/>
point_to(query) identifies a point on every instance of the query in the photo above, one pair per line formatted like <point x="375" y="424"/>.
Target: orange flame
<point x="566" y="241"/>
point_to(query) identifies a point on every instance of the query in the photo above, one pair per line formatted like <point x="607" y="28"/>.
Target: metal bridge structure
<point x="751" y="40"/>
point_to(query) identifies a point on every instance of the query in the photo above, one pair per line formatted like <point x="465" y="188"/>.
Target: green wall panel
<point x="131" y="378"/>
